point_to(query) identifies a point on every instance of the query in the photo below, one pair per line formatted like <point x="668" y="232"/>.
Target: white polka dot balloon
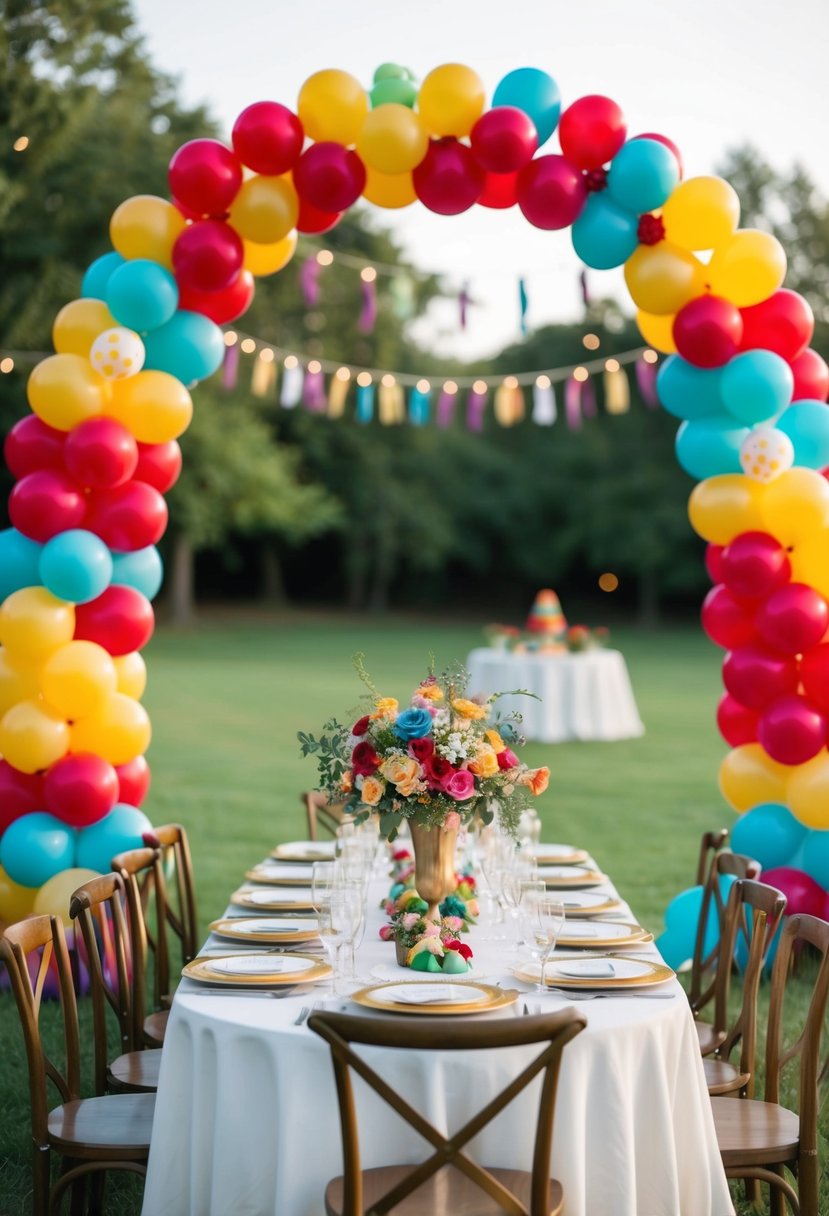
<point x="117" y="354"/>
<point x="765" y="453"/>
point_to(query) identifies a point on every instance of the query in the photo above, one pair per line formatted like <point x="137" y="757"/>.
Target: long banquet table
<point x="247" y="1121"/>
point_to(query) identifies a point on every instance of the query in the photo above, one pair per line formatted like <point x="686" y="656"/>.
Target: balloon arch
<point x="92" y="462"/>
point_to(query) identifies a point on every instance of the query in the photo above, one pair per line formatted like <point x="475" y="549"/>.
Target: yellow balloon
<point x="722" y="507"/>
<point x="78" y="324"/>
<point x="15" y="901"/>
<point x="389" y="190"/>
<point x="808" y="792"/>
<point x="810" y="560"/>
<point x="451" y="99"/>
<point x="796" y="505"/>
<point x="131" y="675"/>
<point x="747" y="268"/>
<point x="748" y="776"/>
<point x="18" y="682"/>
<point x="33" y="736"/>
<point x="53" y="898"/>
<point x="265" y="209"/>
<point x="77" y="678"/>
<point x="268" y="259"/>
<point x="702" y="213"/>
<point x="393" y="139"/>
<point x="65" y="389"/>
<point x="658" y="332"/>
<point x="33" y="623"/>
<point x="154" y="406"/>
<point x="119" y="730"/>
<point x="146" y="226"/>
<point x="663" y="278"/>
<point x="332" y="106"/>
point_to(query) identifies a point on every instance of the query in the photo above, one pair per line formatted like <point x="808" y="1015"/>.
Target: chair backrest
<point x="752" y="918"/>
<point x="39" y="942"/>
<point x="146" y="894"/>
<point x="710" y="844"/>
<point x="710" y="978"/>
<point x="322" y="813"/>
<point x="180" y="905"/>
<point x="98" y="908"/>
<point x="554" y="1031"/>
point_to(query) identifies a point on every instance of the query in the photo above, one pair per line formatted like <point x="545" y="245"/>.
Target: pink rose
<point x="386" y="932"/>
<point x="453" y="923"/>
<point x="421" y="749"/>
<point x="410" y="919"/>
<point x="460" y="785"/>
<point x="437" y="770"/>
<point x="431" y="930"/>
<point x="507" y="759"/>
<point x="452" y="820"/>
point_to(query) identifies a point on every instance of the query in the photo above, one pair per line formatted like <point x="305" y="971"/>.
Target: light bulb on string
<point x="231" y="337"/>
<point x="591" y="341"/>
<point x="291" y="362"/>
<point x="248" y="346"/>
<point x="325" y="257"/>
<point x="364" y="379"/>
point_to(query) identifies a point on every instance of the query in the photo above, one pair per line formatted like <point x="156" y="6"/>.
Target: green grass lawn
<point x="227" y="698"/>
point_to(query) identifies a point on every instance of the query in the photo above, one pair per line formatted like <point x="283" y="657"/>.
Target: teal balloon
<point x="76" y="566"/>
<point x="816" y="857"/>
<point x="36" y="847"/>
<point x="188" y="346"/>
<point x="141" y="569"/>
<point x="123" y="828"/>
<point x="642" y="175"/>
<point x="534" y="92"/>
<point x="709" y="446"/>
<point x="769" y="833"/>
<point x="687" y="391"/>
<point x="141" y="295"/>
<point x="676" y="944"/>
<point x="19" y="562"/>
<point x="756" y="386"/>
<point x="98" y="274"/>
<point x="807" y="425"/>
<point x="604" y="235"/>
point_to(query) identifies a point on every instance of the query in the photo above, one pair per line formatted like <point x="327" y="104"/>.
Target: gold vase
<point x="434" y="850"/>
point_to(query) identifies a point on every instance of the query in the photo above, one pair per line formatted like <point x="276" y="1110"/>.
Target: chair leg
<point x="41" y="1180"/>
<point x="777" y="1200"/>
<point x="97" y="1187"/>
<point x="752" y="1190"/>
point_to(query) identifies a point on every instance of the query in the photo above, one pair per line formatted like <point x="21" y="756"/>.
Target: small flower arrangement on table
<point x="582" y="637"/>
<point x="426" y="945"/>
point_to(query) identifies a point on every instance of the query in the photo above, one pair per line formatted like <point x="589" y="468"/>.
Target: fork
<point x="302" y="1015"/>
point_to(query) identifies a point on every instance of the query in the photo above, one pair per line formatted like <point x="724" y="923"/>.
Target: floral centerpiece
<point x="582" y="637"/>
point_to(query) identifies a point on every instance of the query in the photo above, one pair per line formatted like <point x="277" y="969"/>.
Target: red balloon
<point x="754" y="565"/>
<point x="313" y="220"/>
<point x="591" y="131"/>
<point x="159" y="464"/>
<point x="45" y="503"/>
<point x="129" y="517"/>
<point x="791" y="730"/>
<point x="708" y="331"/>
<point x="504" y="139"/>
<point x="551" y="192"/>
<point x="207" y="256"/>
<point x="814" y="675"/>
<point x="793" y="619"/>
<point x="220" y="306"/>
<point x="500" y="191"/>
<point x="121" y="620"/>
<point x="448" y="180"/>
<point x="811" y="377"/>
<point x="205" y="176"/>
<point x="330" y="176"/>
<point x="268" y="137"/>
<point x="31" y="445"/>
<point x="101" y="453"/>
<point x="737" y="723"/>
<point x="133" y="781"/>
<point x="20" y="794"/>
<point x="80" y="789"/>
<point x="669" y="143"/>
<point x="784" y="323"/>
<point x="713" y="562"/>
<point x="727" y="622"/>
<point x="803" y="895"/>
<point x="755" y="677"/>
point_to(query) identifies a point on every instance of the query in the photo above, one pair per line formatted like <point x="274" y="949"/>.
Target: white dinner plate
<point x="561" y="877"/>
<point x="602" y="934"/>
<point x="579" y="904"/>
<point x="305" y="850"/>
<point x="260" y="964"/>
<point x="612" y="971"/>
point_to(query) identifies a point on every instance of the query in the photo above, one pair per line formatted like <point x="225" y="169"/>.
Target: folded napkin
<point x="256" y="965"/>
<point x="593" y="969"/>
<point x="433" y="994"/>
<point x="575" y="929"/>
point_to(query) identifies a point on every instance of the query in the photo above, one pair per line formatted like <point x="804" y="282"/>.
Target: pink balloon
<point x="793" y="619"/>
<point x="330" y="176"/>
<point x="129" y="517"/>
<point x="726" y="620"/>
<point x="591" y="131"/>
<point x="133" y="781"/>
<point x="713" y="562"/>
<point x="205" y="176"/>
<point x="159" y="464"/>
<point x="811" y="377"/>
<point x="121" y="620"/>
<point x="448" y="180"/>
<point x="207" y="256"/>
<point x="20" y="794"/>
<point x="708" y="331"/>
<point x="267" y="137"/>
<point x="101" y="453"/>
<point x="814" y="675"/>
<point x="755" y="676"/>
<point x="754" y="565"/>
<point x="45" y="503"/>
<point x="500" y="191"/>
<point x="551" y="192"/>
<point x="504" y="140"/>
<point x="803" y="895"/>
<point x="791" y="730"/>
<point x="32" y="445"/>
<point x="80" y="789"/>
<point x="737" y="723"/>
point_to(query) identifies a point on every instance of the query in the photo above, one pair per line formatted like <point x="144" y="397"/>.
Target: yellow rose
<point x="372" y="791"/>
<point x="399" y="768"/>
<point x="468" y="709"/>
<point x="495" y="739"/>
<point x="485" y="763"/>
<point x="386" y="708"/>
<point x="411" y="785"/>
<point x="431" y="692"/>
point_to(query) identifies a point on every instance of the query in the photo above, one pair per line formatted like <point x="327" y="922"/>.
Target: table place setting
<point x="304" y="851"/>
<point x="257" y="970"/>
<point x="558" y="854"/>
<point x="602" y="972"/>
<point x="281" y="874"/>
<point x="561" y="877"/>
<point x="264" y="930"/>
<point x="273" y="899"/>
<point x="435" y="999"/>
<point x="601" y="934"/>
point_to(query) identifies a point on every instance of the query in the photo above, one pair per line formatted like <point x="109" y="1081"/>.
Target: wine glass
<point x="532" y="892"/>
<point x="547" y="930"/>
<point x="338" y="922"/>
<point x="323" y="879"/>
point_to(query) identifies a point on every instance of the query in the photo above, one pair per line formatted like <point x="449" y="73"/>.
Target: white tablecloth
<point x="582" y="696"/>
<point x="247" y="1122"/>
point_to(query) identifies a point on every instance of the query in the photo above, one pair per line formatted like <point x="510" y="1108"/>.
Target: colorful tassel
<point x="368" y="311"/>
<point x="646" y="382"/>
<point x="475" y="409"/>
<point x="616" y="392"/>
<point x="337" y="393"/>
<point x="392" y="409"/>
<point x="365" y="402"/>
<point x="263" y="377"/>
<point x="313" y="392"/>
<point x="572" y="403"/>
<point x="291" y="387"/>
<point x="446" y="409"/>
<point x="418" y="407"/>
<point x="544" y="404"/>
<point x="230" y="367"/>
<point x="509" y="404"/>
<point x="589" y="405"/>
<point x="523" y="304"/>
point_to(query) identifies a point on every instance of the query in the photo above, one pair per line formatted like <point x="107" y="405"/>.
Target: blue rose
<point x="413" y="724"/>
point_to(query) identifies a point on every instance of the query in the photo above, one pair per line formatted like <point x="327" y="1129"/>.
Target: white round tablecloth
<point x="582" y="696"/>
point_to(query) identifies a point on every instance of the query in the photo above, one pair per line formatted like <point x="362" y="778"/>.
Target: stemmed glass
<point x="547" y="930"/>
<point x="338" y="923"/>
<point x="532" y="892"/>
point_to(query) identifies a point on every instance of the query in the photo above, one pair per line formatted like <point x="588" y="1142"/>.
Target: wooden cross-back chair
<point x="711" y="968"/>
<point x="448" y="1183"/>
<point x="710" y="843"/>
<point x="91" y="1135"/>
<point x="143" y="878"/>
<point x="180" y="892"/>
<point x="752" y="919"/>
<point x="762" y="1139"/>
<point x="98" y="908"/>
<point x="322" y="813"/>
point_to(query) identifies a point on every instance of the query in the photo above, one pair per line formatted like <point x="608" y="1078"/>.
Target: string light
<point x="612" y="365"/>
<point x="450" y="387"/>
<point x="325" y="257"/>
<point x="21" y="143"/>
<point x="479" y="387"/>
<point x="608" y="582"/>
<point x="314" y="367"/>
<point x="6" y="366"/>
<point x="266" y="355"/>
<point x="343" y="373"/>
<point x="231" y="338"/>
<point x="368" y="274"/>
<point x="510" y="382"/>
<point x="581" y="374"/>
<point x="544" y="382"/>
<point x="248" y="346"/>
<point x="591" y="341"/>
<point x="423" y="386"/>
<point x="650" y="356"/>
<point x="388" y="381"/>
<point x="364" y="379"/>
<point x="291" y="362"/>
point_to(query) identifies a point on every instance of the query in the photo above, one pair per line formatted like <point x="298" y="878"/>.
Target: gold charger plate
<point x="581" y="879"/>
<point x="573" y="857"/>
<point x="487" y="998"/>
<point x="630" y="973"/>
<point x="280" y="903"/>
<point x="303" y="850"/>
<point x="609" y="935"/>
<point x="233" y="928"/>
<point x="257" y="970"/>
<point x="271" y="877"/>
<point x="579" y="910"/>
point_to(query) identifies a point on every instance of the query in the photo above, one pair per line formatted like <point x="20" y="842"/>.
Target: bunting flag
<point x="391" y="403"/>
<point x="309" y="274"/>
<point x="419" y="405"/>
<point x="544" y="402"/>
<point x="403" y="297"/>
<point x="230" y="366"/>
<point x="476" y="407"/>
<point x="572" y="403"/>
<point x="313" y="391"/>
<point x="337" y="393"/>
<point x="646" y="382"/>
<point x="292" y="386"/>
<point x="368" y="311"/>
<point x="523" y="304"/>
<point x="365" y="402"/>
<point x="616" y="391"/>
<point x="509" y="403"/>
<point x="446" y="408"/>
<point x="263" y="377"/>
